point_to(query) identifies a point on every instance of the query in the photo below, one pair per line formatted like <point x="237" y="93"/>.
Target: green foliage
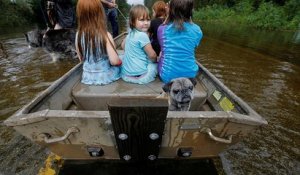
<point x="214" y="12"/>
<point x="15" y="14"/>
<point x="244" y="7"/>
<point x="295" y="22"/>
<point x="292" y="8"/>
<point x="258" y="13"/>
<point x="267" y="16"/>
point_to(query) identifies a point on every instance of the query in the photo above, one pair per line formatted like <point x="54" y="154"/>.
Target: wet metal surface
<point x="255" y="69"/>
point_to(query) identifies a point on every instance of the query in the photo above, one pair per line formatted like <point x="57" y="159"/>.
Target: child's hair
<point x="180" y="11"/>
<point x="136" y="12"/>
<point x="159" y="8"/>
<point x="91" y="27"/>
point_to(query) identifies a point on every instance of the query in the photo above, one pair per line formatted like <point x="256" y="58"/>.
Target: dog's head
<point x="34" y="38"/>
<point x="181" y="93"/>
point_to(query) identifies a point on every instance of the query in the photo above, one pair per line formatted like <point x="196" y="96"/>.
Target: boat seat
<point x="91" y="97"/>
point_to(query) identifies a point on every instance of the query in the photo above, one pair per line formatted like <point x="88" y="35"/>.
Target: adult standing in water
<point x="61" y="14"/>
<point x="110" y="8"/>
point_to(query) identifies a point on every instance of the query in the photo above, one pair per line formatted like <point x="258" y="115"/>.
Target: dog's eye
<point x="191" y="87"/>
<point x="175" y="91"/>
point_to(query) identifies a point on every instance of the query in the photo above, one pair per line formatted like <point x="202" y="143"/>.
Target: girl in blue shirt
<point x="139" y="58"/>
<point x="178" y="38"/>
<point x="95" y="46"/>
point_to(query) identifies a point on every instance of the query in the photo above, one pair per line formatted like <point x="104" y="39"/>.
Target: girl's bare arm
<point x="150" y="52"/>
<point x="112" y="54"/>
<point x="77" y="48"/>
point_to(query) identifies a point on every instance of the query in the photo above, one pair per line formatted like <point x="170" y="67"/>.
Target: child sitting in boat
<point x="95" y="46"/>
<point x="159" y="15"/>
<point x="178" y="38"/>
<point x="139" y="59"/>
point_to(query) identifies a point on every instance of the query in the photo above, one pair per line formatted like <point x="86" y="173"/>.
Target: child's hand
<point x="158" y="58"/>
<point x="112" y="5"/>
<point x="119" y="63"/>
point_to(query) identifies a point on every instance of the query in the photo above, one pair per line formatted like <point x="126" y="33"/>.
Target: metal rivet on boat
<point x="95" y="151"/>
<point x="123" y="136"/>
<point x="127" y="157"/>
<point x="153" y="136"/>
<point x="94" y="154"/>
<point x="186" y="154"/>
<point x="151" y="157"/>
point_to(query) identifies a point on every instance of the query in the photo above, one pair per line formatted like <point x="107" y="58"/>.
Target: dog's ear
<point x="167" y="87"/>
<point x="193" y="80"/>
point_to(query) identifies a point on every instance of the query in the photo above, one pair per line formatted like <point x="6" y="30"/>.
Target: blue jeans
<point x="112" y="16"/>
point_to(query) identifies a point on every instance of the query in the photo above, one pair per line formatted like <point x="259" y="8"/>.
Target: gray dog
<point x="59" y="43"/>
<point x="181" y="93"/>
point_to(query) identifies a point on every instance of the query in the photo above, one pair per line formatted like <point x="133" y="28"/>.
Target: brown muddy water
<point x="261" y="67"/>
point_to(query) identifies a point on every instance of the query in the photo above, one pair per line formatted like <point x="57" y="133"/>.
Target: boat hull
<point x="74" y="120"/>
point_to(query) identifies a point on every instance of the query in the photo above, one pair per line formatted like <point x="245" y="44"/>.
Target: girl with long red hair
<point x="95" y="45"/>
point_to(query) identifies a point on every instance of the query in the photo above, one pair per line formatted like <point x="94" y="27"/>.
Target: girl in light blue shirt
<point x="139" y="59"/>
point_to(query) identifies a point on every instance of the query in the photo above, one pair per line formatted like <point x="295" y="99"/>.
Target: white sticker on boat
<point x="217" y="94"/>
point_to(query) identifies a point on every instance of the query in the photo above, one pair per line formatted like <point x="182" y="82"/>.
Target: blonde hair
<point x="159" y="8"/>
<point x="91" y="28"/>
<point x="136" y="12"/>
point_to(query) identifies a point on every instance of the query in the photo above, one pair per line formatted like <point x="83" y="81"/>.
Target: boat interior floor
<point x="92" y="97"/>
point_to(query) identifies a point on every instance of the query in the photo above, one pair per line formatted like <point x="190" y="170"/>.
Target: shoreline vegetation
<point x="13" y="14"/>
<point x="262" y="14"/>
<point x="265" y="15"/>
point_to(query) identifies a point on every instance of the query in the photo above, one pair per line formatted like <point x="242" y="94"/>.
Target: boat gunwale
<point x="46" y="114"/>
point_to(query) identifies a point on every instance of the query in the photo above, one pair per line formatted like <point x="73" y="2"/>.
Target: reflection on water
<point x="278" y="44"/>
<point x="297" y="36"/>
<point x="268" y="84"/>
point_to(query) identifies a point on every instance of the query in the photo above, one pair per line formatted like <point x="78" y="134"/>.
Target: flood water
<point x="252" y="64"/>
<point x="24" y="72"/>
<point x="261" y="67"/>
